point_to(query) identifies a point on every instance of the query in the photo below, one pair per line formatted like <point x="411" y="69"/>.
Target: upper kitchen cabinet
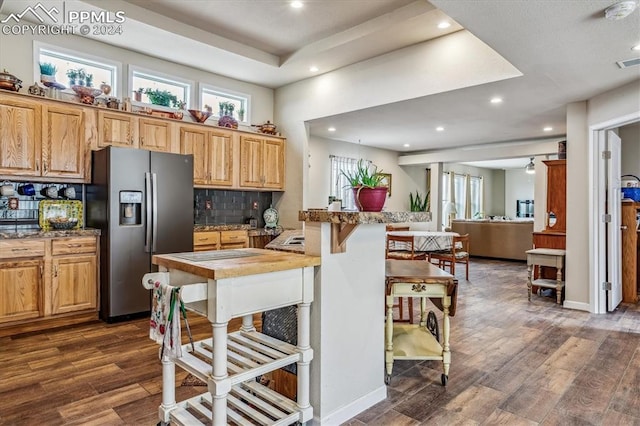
<point x="261" y="162"/>
<point x="43" y="140"/>
<point x="65" y="150"/>
<point x="155" y="135"/>
<point x="20" y="133"/>
<point x="212" y="152"/>
<point x="116" y="129"/>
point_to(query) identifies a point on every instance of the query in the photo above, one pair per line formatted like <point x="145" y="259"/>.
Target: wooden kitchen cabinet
<point x="47" y="282"/>
<point x="212" y="155"/>
<point x="116" y="129"/>
<point x="21" y="136"/>
<point x="155" y="135"/>
<point x="65" y="151"/>
<point x="261" y="162"/>
<point x="629" y="225"/>
<point x="220" y="240"/>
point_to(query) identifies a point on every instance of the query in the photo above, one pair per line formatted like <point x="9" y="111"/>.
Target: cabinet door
<point x="64" y="147"/>
<point x="220" y="152"/>
<point x="20" y="134"/>
<point x="273" y="163"/>
<point x="21" y="290"/>
<point x="556" y="195"/>
<point x="73" y="284"/>
<point x="251" y="161"/>
<point x="194" y="141"/>
<point x="115" y="129"/>
<point x="155" y="135"/>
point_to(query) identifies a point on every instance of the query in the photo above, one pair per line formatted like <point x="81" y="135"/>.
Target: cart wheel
<point x="387" y="379"/>
<point x="432" y="325"/>
<point x="444" y="379"/>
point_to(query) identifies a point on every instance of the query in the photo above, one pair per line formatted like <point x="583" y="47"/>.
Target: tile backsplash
<point x="221" y="207"/>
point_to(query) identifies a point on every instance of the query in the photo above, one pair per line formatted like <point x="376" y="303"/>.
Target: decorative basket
<point x="63" y="225"/>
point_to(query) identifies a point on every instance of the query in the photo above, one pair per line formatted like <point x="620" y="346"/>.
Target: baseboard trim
<point x="356" y="407"/>
<point x="579" y="306"/>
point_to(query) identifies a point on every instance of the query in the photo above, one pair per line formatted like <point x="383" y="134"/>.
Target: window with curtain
<point x="340" y="187"/>
<point x="465" y="201"/>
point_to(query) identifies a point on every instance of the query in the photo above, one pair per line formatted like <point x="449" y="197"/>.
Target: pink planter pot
<point x="370" y="199"/>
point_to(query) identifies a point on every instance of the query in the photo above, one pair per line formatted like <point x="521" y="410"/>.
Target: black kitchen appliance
<point x="141" y="201"/>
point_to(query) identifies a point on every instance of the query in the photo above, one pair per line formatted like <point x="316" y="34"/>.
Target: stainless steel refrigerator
<point x="142" y="201"/>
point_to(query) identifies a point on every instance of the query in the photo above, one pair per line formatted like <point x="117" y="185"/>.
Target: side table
<point x="546" y="257"/>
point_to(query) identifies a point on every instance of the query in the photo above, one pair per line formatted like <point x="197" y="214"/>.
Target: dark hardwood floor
<point x="513" y="362"/>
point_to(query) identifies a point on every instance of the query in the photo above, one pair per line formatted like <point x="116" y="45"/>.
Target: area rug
<point x="192" y="380"/>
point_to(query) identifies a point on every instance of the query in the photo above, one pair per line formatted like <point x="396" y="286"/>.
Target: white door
<point x="614" y="237"/>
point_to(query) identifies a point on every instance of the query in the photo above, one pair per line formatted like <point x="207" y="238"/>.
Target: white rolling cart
<point x="245" y="282"/>
<point x="413" y="278"/>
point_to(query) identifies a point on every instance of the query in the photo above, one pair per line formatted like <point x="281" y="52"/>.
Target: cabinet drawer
<point x="73" y="245"/>
<point x="206" y="238"/>
<point x="21" y="248"/>
<point x="240" y="237"/>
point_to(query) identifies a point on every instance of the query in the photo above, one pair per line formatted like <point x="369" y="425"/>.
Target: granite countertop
<point x="357" y="218"/>
<point x="226" y="227"/>
<point x="279" y="242"/>
<point x="38" y="233"/>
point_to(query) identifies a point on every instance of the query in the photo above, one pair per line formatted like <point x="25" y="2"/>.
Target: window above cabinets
<point x="76" y="68"/>
<point x="212" y="97"/>
<point x="159" y="90"/>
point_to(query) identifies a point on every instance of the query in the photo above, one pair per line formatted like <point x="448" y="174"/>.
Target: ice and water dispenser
<point x="130" y="208"/>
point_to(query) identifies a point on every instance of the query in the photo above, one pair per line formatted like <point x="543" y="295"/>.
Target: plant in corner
<point x="366" y="181"/>
<point x="419" y="204"/>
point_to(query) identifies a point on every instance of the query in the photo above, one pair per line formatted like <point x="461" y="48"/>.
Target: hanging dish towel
<point x="164" y="326"/>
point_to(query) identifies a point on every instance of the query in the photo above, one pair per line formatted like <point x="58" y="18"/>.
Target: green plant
<point x="161" y="97"/>
<point x="47" y="68"/>
<point x="417" y="203"/>
<point x="88" y="80"/>
<point x="365" y="175"/>
<point x="72" y="74"/>
<point x="226" y="108"/>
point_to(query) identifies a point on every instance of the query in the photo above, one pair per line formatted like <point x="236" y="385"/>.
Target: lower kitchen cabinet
<point x="47" y="282"/>
<point x="220" y="240"/>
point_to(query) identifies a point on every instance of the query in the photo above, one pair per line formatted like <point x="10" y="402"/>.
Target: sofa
<point x="500" y="239"/>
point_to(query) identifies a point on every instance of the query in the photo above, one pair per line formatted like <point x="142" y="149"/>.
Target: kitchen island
<point x="229" y="284"/>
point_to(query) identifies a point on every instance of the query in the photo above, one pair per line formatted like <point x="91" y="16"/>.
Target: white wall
<point x="403" y="179"/>
<point x="518" y="186"/>
<point x="16" y="55"/>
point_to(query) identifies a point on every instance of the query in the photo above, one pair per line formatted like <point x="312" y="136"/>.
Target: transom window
<point x="65" y="63"/>
<point x="213" y="97"/>
<point x="144" y="82"/>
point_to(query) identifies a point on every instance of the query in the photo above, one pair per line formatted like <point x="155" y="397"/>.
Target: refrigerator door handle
<point x="148" y="224"/>
<point x="154" y="186"/>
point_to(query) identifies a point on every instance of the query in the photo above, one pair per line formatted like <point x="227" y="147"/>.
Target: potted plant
<point x="419" y="204"/>
<point x="241" y="114"/>
<point x="161" y="97"/>
<point x="368" y="192"/>
<point x="72" y="75"/>
<point x="82" y="75"/>
<point x="47" y="72"/>
<point x="137" y="94"/>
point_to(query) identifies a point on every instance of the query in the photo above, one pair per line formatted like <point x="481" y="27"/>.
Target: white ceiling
<point x="565" y="50"/>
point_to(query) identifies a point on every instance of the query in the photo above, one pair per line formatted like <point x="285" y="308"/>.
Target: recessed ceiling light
<point x="444" y="24"/>
<point x="439" y="129"/>
<point x="296" y="4"/>
<point x="313" y="69"/>
<point x="331" y="129"/>
<point x="406" y="145"/>
<point x="496" y="100"/>
<point x="636" y="47"/>
<point x="548" y="129"/>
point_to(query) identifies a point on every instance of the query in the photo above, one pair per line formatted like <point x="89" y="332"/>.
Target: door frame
<point x="597" y="236"/>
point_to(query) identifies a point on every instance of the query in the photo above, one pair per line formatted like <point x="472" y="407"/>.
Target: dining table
<point x="424" y="241"/>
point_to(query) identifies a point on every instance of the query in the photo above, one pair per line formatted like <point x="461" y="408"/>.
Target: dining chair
<point x="397" y="228"/>
<point x="459" y="253"/>
<point x="407" y="252"/>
